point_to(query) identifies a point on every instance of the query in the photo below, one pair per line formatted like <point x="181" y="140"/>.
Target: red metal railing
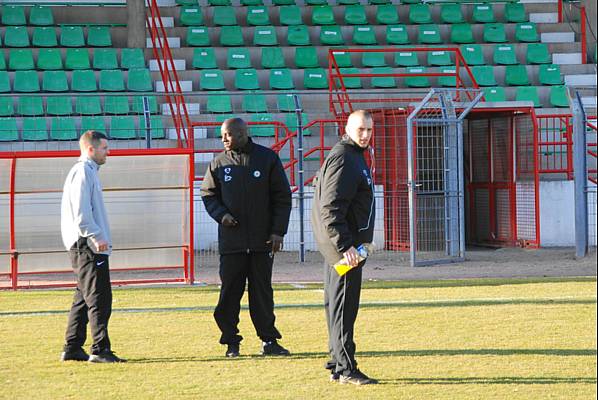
<point x="584" y="35"/>
<point x="555" y="144"/>
<point x="591" y="126"/>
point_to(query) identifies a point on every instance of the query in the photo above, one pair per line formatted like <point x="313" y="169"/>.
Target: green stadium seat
<point x="59" y="105"/>
<point x="386" y="14"/>
<point x="315" y="78"/>
<point x="83" y="80"/>
<point x="13" y="15"/>
<point x="132" y="58"/>
<point x="238" y="57"/>
<point x="204" y="58"/>
<point x="88" y="105"/>
<point x="257" y="16"/>
<point x="191" y="16"/>
<point x="55" y="81"/>
<point x="473" y="54"/>
<point x="219" y="2"/>
<point x="44" y="36"/>
<point x="450" y="13"/>
<point x="187" y="2"/>
<point x="30" y="106"/>
<point x="283" y="2"/>
<point x="406" y="59"/>
<point x="364" y="35"/>
<point x="439" y="58"/>
<point x="281" y="79"/>
<point x="262" y="130"/>
<point x="559" y="96"/>
<point x="198" y="36"/>
<point x="224" y="16"/>
<point x="34" y="129"/>
<point x="528" y="93"/>
<point x="265" y="36"/>
<point x="349" y="82"/>
<point x="26" y="82"/>
<point x="505" y="54"/>
<point x="516" y="75"/>
<point x="290" y="15"/>
<point x="291" y="123"/>
<point x="379" y="2"/>
<point x="139" y="80"/>
<point x="231" y="36"/>
<point x="494" y="93"/>
<point x="6" y="108"/>
<point x="41" y="16"/>
<point x="494" y="33"/>
<point x="355" y="15"/>
<point x="219" y="102"/>
<point x="2" y="61"/>
<point x="211" y="79"/>
<point x="298" y="35"/>
<point x="77" y="59"/>
<point x="484" y="75"/>
<point x="420" y="14"/>
<point x="383" y="81"/>
<point x="417" y="81"/>
<point x="347" y="2"/>
<point x="397" y="34"/>
<point x="331" y="35"/>
<point x="156" y="127"/>
<point x="71" y="36"/>
<point x="63" y="128"/>
<point x="8" y="130"/>
<point x="122" y="127"/>
<point x="137" y="104"/>
<point x="429" y="34"/>
<point x="526" y="32"/>
<point x="462" y="33"/>
<point x="93" y="124"/>
<point x="316" y="2"/>
<point x="286" y="102"/>
<point x="550" y="74"/>
<point x="537" y="53"/>
<point x="111" y="80"/>
<point x="105" y="59"/>
<point x="342" y="58"/>
<point x="246" y="79"/>
<point x="447" y="81"/>
<point x="4" y="82"/>
<point x="254" y="102"/>
<point x="251" y="3"/>
<point x="515" y="13"/>
<point x="306" y="57"/>
<point x="483" y="13"/>
<point x="373" y="59"/>
<point x="16" y="36"/>
<point x="272" y="57"/>
<point x="322" y="15"/>
<point x="116" y="105"/>
<point x="99" y="36"/>
<point x="20" y="59"/>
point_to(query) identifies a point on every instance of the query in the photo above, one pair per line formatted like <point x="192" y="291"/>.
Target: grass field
<point x="477" y="339"/>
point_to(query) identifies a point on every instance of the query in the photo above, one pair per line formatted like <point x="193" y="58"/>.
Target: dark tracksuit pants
<point x="235" y="270"/>
<point x="93" y="299"/>
<point x="341" y="303"/>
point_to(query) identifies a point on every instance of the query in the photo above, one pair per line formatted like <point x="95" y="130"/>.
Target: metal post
<point x="146" y="117"/>
<point x="580" y="177"/>
<point x="300" y="187"/>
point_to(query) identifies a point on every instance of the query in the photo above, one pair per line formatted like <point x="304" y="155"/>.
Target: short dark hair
<point x="92" y="138"/>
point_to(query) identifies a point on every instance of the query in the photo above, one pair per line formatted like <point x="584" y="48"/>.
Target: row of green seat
<point x="220" y="103"/>
<point x="308" y="2"/>
<point x="516" y="75"/>
<point x="65" y="128"/>
<point x="15" y="15"/>
<point x="77" y="58"/>
<point x="70" y="36"/>
<point x="352" y="15"/>
<point x="332" y="35"/>
<point x="112" y="80"/>
<point x="84" y="105"/>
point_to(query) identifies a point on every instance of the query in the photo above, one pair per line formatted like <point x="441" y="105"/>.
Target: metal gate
<point x="435" y="176"/>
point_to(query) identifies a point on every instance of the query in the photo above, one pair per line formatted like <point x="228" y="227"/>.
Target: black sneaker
<point x="74" y="355"/>
<point x="232" y="350"/>
<point x="106" y="356"/>
<point x="272" y="348"/>
<point x="334" y="376"/>
<point x="357" y="377"/>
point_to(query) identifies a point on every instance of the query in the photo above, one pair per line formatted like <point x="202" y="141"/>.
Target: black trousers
<point x="93" y="299"/>
<point x="341" y="304"/>
<point x="235" y="270"/>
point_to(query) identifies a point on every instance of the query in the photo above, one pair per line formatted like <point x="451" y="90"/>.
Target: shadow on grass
<point x="494" y="380"/>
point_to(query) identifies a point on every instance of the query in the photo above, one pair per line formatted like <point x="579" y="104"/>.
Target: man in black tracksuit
<point x="246" y="191"/>
<point x="342" y="219"/>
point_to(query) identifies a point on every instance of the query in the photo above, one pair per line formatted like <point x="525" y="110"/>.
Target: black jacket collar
<point x="245" y="149"/>
<point x="346" y="140"/>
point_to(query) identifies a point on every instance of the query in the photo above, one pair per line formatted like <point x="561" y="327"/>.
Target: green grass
<point x="466" y="339"/>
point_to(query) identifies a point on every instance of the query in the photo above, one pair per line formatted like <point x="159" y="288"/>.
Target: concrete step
<point x="557" y="37"/>
<point x="589" y="101"/>
<point x="544" y="18"/>
<point x="186" y="86"/>
<point x="566" y="58"/>
<point x="580" y="80"/>
<point x="192" y="108"/>
<point x="179" y="65"/>
<point x="163" y="3"/>
<point x="167" y="22"/>
<point x="173" y="42"/>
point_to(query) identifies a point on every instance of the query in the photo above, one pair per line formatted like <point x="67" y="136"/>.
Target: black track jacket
<point x="343" y="209"/>
<point x="251" y="185"/>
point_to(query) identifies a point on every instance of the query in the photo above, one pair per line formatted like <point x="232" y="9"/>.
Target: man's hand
<point x="101" y="245"/>
<point x="352" y="256"/>
<point x="276" y="242"/>
<point x="229" y="221"/>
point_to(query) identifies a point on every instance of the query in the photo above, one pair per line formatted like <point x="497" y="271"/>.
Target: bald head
<point x="234" y="133"/>
<point x="360" y="127"/>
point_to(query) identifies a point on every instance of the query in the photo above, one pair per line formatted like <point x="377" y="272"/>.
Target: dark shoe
<point x="272" y="348"/>
<point x="74" y="355"/>
<point x="106" y="356"/>
<point x="334" y="376"/>
<point x="357" y="378"/>
<point x="232" y="350"/>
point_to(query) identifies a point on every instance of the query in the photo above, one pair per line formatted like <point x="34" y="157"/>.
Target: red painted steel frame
<point x="554" y="165"/>
<point x="584" y="38"/>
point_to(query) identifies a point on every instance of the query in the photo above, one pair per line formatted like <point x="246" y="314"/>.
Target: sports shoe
<point x="334" y="376"/>
<point x="272" y="348"/>
<point x="232" y="350"/>
<point x="106" y="356"/>
<point x="75" y="355"/>
<point x="357" y="377"/>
